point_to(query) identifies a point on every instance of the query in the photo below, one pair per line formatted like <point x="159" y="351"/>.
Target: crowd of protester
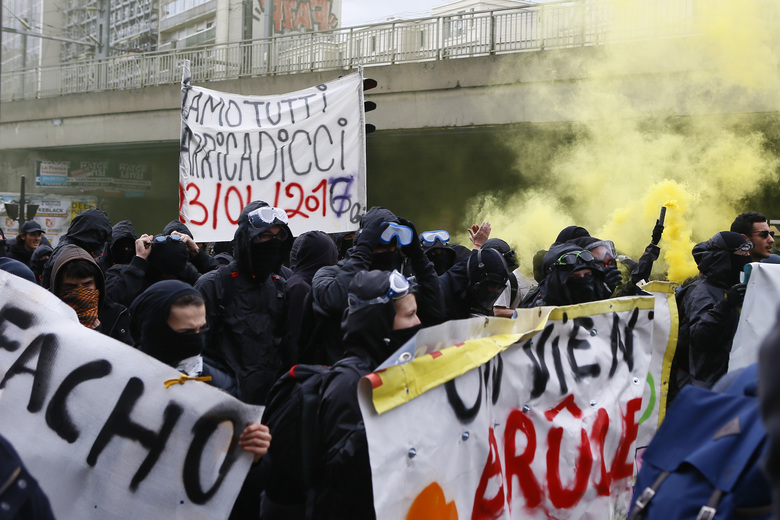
<point x="245" y="312"/>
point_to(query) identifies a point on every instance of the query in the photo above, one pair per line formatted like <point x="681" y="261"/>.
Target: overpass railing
<point x="545" y="26"/>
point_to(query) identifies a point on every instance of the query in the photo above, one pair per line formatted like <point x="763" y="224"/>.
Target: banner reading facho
<point x="303" y="152"/>
<point x="545" y="428"/>
<point x="94" y="423"/>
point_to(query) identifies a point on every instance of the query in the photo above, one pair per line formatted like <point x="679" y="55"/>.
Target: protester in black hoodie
<point x="89" y="230"/>
<point x="78" y="281"/>
<point x="199" y="259"/>
<point x="26" y="242"/>
<point x="709" y="309"/>
<point x="120" y="247"/>
<point x="472" y="286"/>
<point x="246" y="302"/>
<point x="38" y="260"/>
<point x="381" y="317"/>
<point x="330" y="284"/>
<point x="310" y="251"/>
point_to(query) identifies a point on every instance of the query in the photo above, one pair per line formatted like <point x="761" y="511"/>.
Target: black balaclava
<point x="581" y="289"/>
<point x="90" y="230"/>
<point x="441" y="255"/>
<point x="487" y="274"/>
<point x="168" y="258"/>
<point x="386" y="260"/>
<point x="123" y="250"/>
<point x="149" y="324"/>
<point x="258" y="261"/>
<point x="570" y="233"/>
<point x="716" y="259"/>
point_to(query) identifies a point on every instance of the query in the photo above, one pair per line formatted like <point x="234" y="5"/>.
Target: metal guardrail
<point x="552" y="25"/>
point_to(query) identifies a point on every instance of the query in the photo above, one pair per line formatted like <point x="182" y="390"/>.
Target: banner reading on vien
<point x="302" y="151"/>
<point x="95" y="424"/>
<point x="545" y="428"/>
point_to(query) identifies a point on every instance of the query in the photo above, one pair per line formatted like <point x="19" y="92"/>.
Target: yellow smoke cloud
<point x="633" y="154"/>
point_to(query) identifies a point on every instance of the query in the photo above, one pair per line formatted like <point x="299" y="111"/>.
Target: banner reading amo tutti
<point x="539" y="424"/>
<point x="301" y="151"/>
<point x="93" y="422"/>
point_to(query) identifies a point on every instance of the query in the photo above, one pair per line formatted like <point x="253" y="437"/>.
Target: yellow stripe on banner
<point x="670" y="289"/>
<point x="627" y="303"/>
<point x="402" y="383"/>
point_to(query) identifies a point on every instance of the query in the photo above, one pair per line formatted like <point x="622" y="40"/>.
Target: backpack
<point x="705" y="460"/>
<point x="293" y="463"/>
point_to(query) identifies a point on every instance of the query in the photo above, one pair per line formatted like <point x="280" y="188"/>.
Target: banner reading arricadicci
<point x="302" y="151"/>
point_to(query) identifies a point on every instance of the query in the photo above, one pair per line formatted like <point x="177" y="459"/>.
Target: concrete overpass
<point x="455" y="104"/>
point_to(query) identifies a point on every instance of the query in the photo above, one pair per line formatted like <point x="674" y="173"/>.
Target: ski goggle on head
<point x="267" y="216"/>
<point x="603" y="253"/>
<point x="404" y="234"/>
<point x="571" y="258"/>
<point x="399" y="287"/>
<point x="429" y="237"/>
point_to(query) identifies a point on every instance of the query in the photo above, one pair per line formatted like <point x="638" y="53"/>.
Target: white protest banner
<point x="95" y="424"/>
<point x="758" y="316"/>
<point x="537" y="426"/>
<point x="303" y="152"/>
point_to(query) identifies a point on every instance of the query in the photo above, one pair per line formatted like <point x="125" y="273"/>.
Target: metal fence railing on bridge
<point x="545" y="26"/>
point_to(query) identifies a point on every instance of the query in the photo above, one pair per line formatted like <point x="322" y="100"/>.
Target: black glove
<point x="414" y="249"/>
<point x="612" y="277"/>
<point x="369" y="236"/>
<point x="658" y="230"/>
<point x="736" y="295"/>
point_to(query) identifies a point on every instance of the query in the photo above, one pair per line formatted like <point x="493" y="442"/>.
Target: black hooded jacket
<point x="458" y="283"/>
<point x="151" y="332"/>
<point x="707" y="322"/>
<point x="310" y="252"/>
<point x="330" y="287"/>
<point x="247" y="316"/>
<point x="17" y="251"/>
<point x="345" y="490"/>
<point x="37" y="261"/>
<point x="89" y="230"/>
<point x="122" y="233"/>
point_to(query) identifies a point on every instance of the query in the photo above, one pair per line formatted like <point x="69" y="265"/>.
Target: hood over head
<point x="72" y="252"/>
<point x="311" y="251"/>
<point x="510" y="257"/>
<point x="246" y="232"/>
<point x="17" y="268"/>
<point x="570" y="233"/>
<point x="716" y="260"/>
<point x="123" y="234"/>
<point x="38" y="259"/>
<point x="90" y="229"/>
<point x="149" y="323"/>
<point x="368" y="320"/>
<point x="167" y="257"/>
<point x="557" y="290"/>
<point x="177" y="225"/>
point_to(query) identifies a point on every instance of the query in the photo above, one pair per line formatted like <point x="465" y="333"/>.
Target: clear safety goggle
<point x="571" y="258"/>
<point x="399" y="287"/>
<point x="429" y="237"/>
<point x="603" y="252"/>
<point x="747" y="246"/>
<point x="267" y="216"/>
<point x="404" y="234"/>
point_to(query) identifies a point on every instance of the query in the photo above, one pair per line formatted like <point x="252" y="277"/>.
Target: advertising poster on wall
<point x="54" y="213"/>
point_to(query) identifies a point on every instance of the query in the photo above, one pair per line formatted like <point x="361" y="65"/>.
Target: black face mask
<point x="170" y="347"/>
<point x="169" y="257"/>
<point x="266" y="257"/>
<point x="482" y="296"/>
<point x="738" y="263"/>
<point x="345" y="245"/>
<point x="123" y="251"/>
<point x="441" y="263"/>
<point x="386" y="261"/>
<point x="399" y="337"/>
<point x="582" y="289"/>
